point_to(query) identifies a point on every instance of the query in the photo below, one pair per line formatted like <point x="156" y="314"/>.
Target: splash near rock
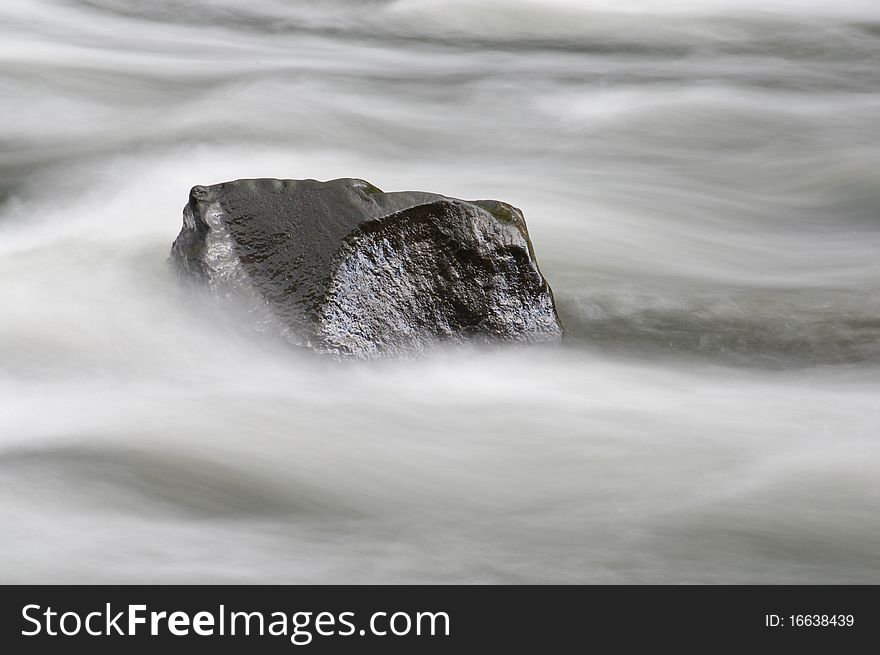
<point x="348" y="269"/>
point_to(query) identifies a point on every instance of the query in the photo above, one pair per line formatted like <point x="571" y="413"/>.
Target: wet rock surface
<point x="345" y="268"/>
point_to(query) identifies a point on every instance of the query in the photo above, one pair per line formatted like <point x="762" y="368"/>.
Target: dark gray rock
<point x="345" y="268"/>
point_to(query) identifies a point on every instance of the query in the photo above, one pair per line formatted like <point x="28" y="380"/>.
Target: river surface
<point x="702" y="185"/>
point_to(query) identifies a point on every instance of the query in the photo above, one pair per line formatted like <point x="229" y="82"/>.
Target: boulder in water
<point x="348" y="269"/>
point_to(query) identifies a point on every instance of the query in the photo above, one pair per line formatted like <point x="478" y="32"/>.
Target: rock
<point x="348" y="269"/>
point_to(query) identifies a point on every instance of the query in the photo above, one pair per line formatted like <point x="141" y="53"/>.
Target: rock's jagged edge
<point x="343" y="274"/>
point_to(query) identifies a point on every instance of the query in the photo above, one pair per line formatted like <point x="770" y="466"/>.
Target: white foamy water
<point x="702" y="185"/>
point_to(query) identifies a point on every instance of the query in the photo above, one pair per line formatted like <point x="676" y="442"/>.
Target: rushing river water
<point x="702" y="185"/>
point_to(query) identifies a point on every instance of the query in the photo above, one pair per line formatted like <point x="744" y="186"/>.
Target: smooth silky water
<point x="702" y="185"/>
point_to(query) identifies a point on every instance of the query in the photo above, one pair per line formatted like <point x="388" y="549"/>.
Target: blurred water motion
<point x="702" y="185"/>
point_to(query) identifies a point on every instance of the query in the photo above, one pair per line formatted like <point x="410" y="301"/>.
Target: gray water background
<point x="702" y="185"/>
